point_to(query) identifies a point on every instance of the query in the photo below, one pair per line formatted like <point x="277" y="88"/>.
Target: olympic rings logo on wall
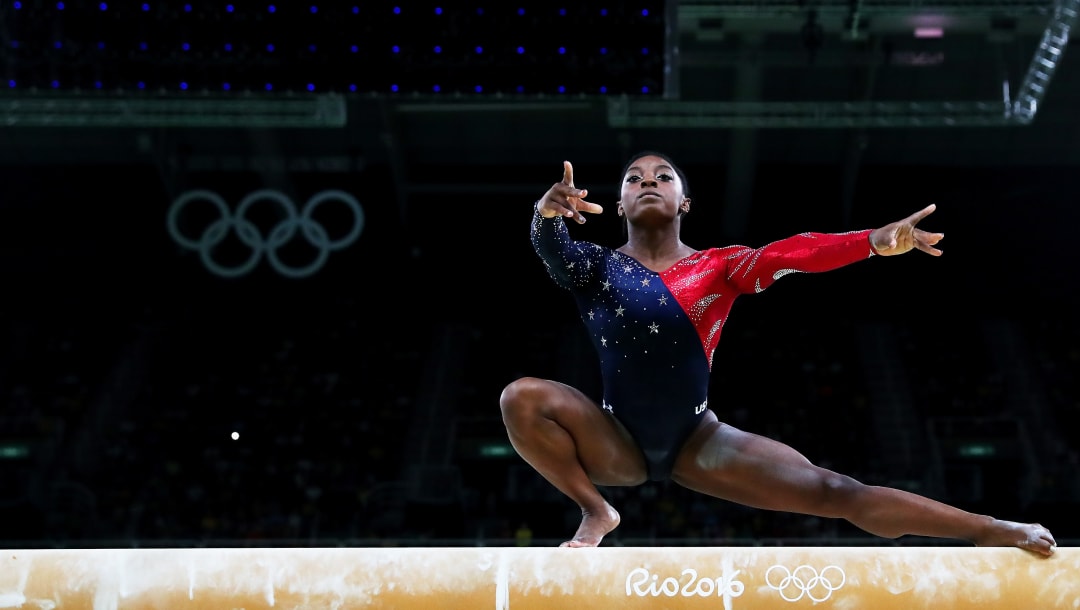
<point x="294" y="224"/>
<point x="805" y="581"/>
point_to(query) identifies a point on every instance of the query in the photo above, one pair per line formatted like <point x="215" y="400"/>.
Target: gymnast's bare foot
<point x="1028" y="536"/>
<point x="594" y="526"/>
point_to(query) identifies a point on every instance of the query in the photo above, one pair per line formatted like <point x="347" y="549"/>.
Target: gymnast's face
<point x="651" y="185"/>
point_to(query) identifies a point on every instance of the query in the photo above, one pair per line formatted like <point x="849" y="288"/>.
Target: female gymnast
<point x="654" y="308"/>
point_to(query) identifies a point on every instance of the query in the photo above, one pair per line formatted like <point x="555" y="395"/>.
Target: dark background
<point x="365" y="395"/>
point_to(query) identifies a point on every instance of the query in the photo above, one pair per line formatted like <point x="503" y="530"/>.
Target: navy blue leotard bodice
<point x="655" y="332"/>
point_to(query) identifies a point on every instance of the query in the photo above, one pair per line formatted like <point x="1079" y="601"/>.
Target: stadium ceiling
<point x="824" y="68"/>
<point x="723" y="65"/>
<point x="703" y="28"/>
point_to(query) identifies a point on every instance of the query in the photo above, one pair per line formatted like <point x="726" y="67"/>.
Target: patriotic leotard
<point x="655" y="333"/>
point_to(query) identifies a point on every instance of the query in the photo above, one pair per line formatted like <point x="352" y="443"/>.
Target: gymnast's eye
<point x="633" y="178"/>
<point x="665" y="177"/>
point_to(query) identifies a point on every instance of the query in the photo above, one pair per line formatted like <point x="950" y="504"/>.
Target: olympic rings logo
<point x="805" y="581"/>
<point x="294" y="222"/>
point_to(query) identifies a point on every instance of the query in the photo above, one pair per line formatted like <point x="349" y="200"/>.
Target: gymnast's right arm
<point x="569" y="262"/>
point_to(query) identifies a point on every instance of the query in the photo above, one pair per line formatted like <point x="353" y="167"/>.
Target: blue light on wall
<point x="235" y="46"/>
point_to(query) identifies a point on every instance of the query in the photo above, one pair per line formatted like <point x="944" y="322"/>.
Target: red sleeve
<point x="755" y="269"/>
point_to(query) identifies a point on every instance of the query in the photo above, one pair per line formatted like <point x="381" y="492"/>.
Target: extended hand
<point x="563" y="199"/>
<point x="902" y="236"/>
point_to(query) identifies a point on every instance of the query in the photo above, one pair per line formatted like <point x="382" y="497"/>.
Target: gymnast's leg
<point x="575" y="445"/>
<point x="724" y="462"/>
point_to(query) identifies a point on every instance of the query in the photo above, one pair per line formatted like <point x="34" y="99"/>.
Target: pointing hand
<point x="564" y="199"/>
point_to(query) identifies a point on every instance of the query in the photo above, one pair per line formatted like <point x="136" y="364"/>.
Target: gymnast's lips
<point x="648" y="193"/>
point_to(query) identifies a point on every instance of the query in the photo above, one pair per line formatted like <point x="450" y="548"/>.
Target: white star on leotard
<point x="603" y="341"/>
<point x="645" y="282"/>
<point x="592" y="315"/>
<point x="606" y="284"/>
<point x="654" y="328"/>
<point x="619" y="310"/>
<point x="663" y="299"/>
<point x="626" y="268"/>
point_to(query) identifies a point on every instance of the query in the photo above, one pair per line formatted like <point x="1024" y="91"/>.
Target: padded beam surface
<point x="534" y="578"/>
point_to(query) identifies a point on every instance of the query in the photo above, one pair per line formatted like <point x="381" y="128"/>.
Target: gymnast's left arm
<point x="754" y="270"/>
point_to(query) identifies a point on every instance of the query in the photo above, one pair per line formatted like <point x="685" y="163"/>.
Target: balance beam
<point x="513" y="578"/>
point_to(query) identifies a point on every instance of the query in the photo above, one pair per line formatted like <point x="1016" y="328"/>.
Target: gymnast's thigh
<point x="725" y="462"/>
<point x="603" y="446"/>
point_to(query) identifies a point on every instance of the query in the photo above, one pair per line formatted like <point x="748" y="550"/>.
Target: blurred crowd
<point x="181" y="427"/>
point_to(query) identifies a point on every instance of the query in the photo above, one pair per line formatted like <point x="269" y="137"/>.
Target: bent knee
<point x="524" y="395"/>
